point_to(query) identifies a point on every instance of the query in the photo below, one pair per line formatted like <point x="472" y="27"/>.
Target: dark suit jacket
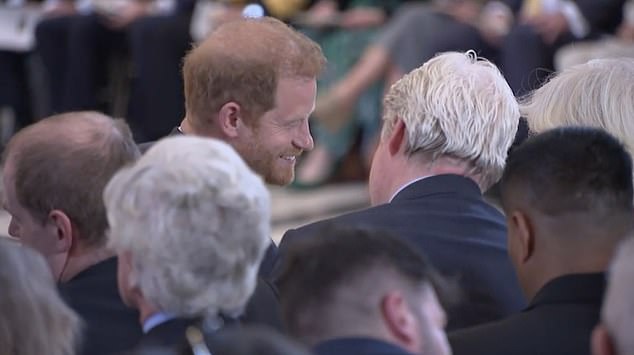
<point x="602" y="16"/>
<point x="109" y="325"/>
<point x="558" y="321"/>
<point x="263" y="306"/>
<point x="357" y="346"/>
<point x="446" y="217"/>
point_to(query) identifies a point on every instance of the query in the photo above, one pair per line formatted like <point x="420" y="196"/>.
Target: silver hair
<point x="195" y="220"/>
<point x="34" y="318"/>
<point x="456" y="105"/>
<point x="599" y="93"/>
<point x="618" y="310"/>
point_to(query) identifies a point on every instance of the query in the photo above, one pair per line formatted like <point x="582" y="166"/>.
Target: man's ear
<point x="396" y="139"/>
<point x="524" y="234"/>
<point x="399" y="319"/>
<point x="62" y="227"/>
<point x="602" y="342"/>
<point x="230" y="119"/>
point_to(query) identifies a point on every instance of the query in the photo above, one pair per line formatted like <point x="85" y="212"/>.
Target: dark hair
<point x="317" y="265"/>
<point x="571" y="169"/>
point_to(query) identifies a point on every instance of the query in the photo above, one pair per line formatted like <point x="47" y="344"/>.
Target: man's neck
<point x="573" y="263"/>
<point x="83" y="260"/>
<point x="146" y="310"/>
<point x="186" y="127"/>
<point x="414" y="169"/>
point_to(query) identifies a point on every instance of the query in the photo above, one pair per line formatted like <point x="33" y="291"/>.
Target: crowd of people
<point x="477" y="241"/>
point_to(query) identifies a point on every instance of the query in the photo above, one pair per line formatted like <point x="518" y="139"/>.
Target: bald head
<point x="242" y="62"/>
<point x="63" y="163"/>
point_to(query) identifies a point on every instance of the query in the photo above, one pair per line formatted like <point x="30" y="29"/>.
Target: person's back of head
<point x="455" y="110"/>
<point x="598" y="94"/>
<point x="190" y="223"/>
<point x="567" y="194"/>
<point x="613" y="335"/>
<point x="54" y="173"/>
<point x="361" y="283"/>
<point x="34" y="319"/>
<point x="242" y="61"/>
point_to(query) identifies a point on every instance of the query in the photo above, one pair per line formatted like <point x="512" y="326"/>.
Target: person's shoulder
<point x="359" y="218"/>
<point x="490" y="338"/>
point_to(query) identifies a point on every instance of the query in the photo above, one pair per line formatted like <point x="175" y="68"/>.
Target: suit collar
<point x="439" y="184"/>
<point x="573" y="288"/>
<point x="359" y="346"/>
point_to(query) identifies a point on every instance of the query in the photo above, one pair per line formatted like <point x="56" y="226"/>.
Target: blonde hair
<point x="34" y="319"/>
<point x="242" y="62"/>
<point x="456" y="105"/>
<point x="599" y="93"/>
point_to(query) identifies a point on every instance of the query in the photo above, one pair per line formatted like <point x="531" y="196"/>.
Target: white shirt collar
<point x="155" y="320"/>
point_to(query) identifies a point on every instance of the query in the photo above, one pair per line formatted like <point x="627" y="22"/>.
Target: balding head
<point x="56" y="170"/>
<point x="242" y="62"/>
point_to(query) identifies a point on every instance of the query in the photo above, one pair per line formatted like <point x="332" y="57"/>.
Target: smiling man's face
<point x="275" y="140"/>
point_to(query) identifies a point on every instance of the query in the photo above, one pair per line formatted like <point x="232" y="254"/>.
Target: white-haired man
<point x="190" y="223"/>
<point x="447" y="128"/>
<point x="613" y="334"/>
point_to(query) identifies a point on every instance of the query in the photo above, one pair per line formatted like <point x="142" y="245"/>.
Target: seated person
<point x="355" y="291"/>
<point x="567" y="194"/>
<point x="447" y="128"/>
<point x="54" y="174"/>
<point x="190" y="224"/>
<point x="34" y="319"/>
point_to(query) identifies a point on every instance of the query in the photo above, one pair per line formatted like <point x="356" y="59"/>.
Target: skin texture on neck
<point x="187" y="128"/>
<point x="146" y="309"/>
<point x="414" y="167"/>
<point x="564" y="260"/>
<point x="393" y="166"/>
<point x="546" y="247"/>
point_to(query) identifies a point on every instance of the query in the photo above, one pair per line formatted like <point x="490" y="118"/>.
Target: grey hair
<point x="618" y="310"/>
<point x="457" y="105"/>
<point x="599" y="93"/>
<point x="34" y="318"/>
<point x="195" y="220"/>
